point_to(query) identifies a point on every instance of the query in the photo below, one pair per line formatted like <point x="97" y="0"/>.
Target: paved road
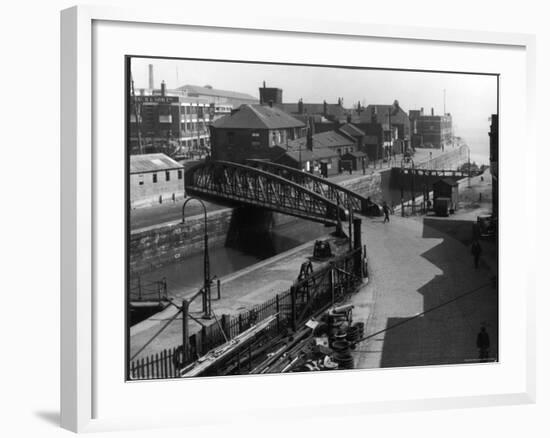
<point x="168" y="212"/>
<point x="420" y="264"/>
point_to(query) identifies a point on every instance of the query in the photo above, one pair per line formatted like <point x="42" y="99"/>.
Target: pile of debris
<point x="322" y="345"/>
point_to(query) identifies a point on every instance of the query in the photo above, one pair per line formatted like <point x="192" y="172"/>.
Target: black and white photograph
<point x="307" y="218"/>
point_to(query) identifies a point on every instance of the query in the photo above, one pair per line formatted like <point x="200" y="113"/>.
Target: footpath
<point x="239" y="291"/>
<point x="421" y="268"/>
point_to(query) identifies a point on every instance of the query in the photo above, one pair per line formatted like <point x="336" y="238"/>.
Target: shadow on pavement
<point x="455" y="305"/>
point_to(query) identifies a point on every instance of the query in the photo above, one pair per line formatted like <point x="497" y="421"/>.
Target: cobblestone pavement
<point x="416" y="265"/>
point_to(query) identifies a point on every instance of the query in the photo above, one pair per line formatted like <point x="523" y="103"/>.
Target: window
<point x="167" y="175"/>
<point x="255" y="139"/>
<point x="154" y="177"/>
<point x="180" y="174"/>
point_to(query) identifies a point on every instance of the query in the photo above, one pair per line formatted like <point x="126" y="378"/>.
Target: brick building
<point x="216" y="96"/>
<point x="386" y="128"/>
<point x="253" y="131"/>
<point x="169" y="123"/>
<point x="431" y="131"/>
<point x="155" y="178"/>
<point x="319" y="153"/>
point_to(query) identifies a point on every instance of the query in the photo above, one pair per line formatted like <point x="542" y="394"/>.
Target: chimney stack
<point x="301" y="106"/>
<point x="325" y="108"/>
<point x="432" y="111"/>
<point x="151" y="81"/>
<point x="422" y="111"/>
<point x="163" y="88"/>
<point x="309" y="140"/>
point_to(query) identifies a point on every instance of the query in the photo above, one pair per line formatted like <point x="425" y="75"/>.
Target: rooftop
<point x="209" y="91"/>
<point x="322" y="140"/>
<point x="152" y="163"/>
<point x="249" y="116"/>
<point x="352" y="130"/>
<point x="333" y="109"/>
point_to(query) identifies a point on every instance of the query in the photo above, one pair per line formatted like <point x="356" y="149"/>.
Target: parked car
<point x="487" y="226"/>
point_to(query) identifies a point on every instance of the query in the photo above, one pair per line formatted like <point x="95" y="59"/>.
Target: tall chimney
<point x="422" y="111"/>
<point x="301" y="106"/>
<point x="151" y="81"/>
<point x="163" y="88"/>
<point x="432" y="111"/>
<point x="325" y="108"/>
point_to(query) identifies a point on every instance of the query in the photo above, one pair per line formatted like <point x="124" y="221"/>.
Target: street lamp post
<point x="413" y="193"/>
<point x="469" y="169"/>
<point x="207" y="298"/>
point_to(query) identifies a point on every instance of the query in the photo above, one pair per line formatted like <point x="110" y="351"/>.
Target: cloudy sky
<point x="471" y="99"/>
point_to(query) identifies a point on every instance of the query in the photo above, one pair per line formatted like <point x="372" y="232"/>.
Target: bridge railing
<point x="322" y="186"/>
<point x="226" y="181"/>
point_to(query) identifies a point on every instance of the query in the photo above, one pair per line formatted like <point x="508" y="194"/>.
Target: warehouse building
<point x="155" y="179"/>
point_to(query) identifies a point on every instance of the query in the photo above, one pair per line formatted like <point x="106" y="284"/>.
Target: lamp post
<point x="207" y="299"/>
<point x="412" y="187"/>
<point x="469" y="169"/>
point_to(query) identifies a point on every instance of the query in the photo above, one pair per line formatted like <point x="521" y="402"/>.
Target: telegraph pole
<point x="136" y="114"/>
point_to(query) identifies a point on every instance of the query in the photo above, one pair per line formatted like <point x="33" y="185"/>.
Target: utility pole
<point x="136" y="114"/>
<point x="469" y="170"/>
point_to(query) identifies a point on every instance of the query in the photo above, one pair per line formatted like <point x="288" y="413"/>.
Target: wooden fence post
<point x="204" y="346"/>
<point x="293" y="307"/>
<point x="277" y="309"/>
<point x="185" y="330"/>
<point x="225" y="325"/>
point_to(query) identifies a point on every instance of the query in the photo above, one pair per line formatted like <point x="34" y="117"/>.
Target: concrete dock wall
<point x="450" y="160"/>
<point x="153" y="247"/>
<point x="366" y="185"/>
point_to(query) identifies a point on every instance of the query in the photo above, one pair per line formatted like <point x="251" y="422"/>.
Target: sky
<point x="470" y="98"/>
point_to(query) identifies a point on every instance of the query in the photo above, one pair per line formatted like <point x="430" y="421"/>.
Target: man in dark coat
<point x="386" y="211"/>
<point x="483" y="344"/>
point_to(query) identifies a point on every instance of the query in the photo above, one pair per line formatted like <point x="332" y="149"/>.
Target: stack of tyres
<point x="337" y="323"/>
<point x="342" y="354"/>
<point x="353" y="335"/>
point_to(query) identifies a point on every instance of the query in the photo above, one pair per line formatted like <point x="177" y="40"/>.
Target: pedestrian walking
<point x="483" y="343"/>
<point x="386" y="211"/>
<point x="476" y="252"/>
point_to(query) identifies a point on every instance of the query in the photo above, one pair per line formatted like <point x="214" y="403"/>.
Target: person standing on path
<point x="476" y="252"/>
<point x="386" y="211"/>
<point x="483" y="344"/>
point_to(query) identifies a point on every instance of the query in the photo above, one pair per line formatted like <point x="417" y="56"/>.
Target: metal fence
<point x="305" y="298"/>
<point x="141" y="290"/>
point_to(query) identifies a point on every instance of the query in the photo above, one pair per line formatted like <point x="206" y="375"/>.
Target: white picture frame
<point x="82" y="368"/>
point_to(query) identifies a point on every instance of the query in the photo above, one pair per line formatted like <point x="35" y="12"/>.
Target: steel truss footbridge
<point x="275" y="187"/>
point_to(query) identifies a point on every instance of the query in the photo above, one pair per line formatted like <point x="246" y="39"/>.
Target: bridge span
<point x="228" y="182"/>
<point x="329" y="190"/>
